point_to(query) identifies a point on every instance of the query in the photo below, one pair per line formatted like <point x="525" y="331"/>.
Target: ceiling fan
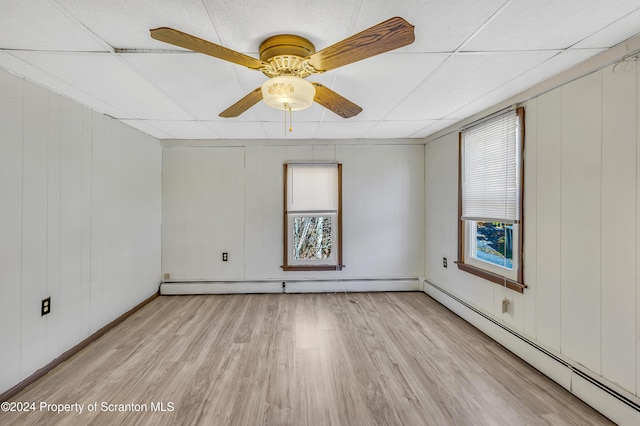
<point x="288" y="59"/>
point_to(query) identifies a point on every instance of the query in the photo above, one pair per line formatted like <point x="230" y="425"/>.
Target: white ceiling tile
<point x="126" y="23"/>
<point x="147" y="127"/>
<point x="435" y="127"/>
<point x="229" y="129"/>
<point x="553" y="66"/>
<point x="463" y="79"/>
<point x="376" y="84"/>
<point x="183" y="129"/>
<point x="538" y="74"/>
<point x="548" y="24"/>
<point x="344" y="129"/>
<point x="398" y="129"/>
<point x="108" y="78"/>
<point x="614" y="33"/>
<point x="40" y="25"/>
<point x="202" y="85"/>
<point x="243" y="24"/>
<point x="440" y="26"/>
<point x="301" y="130"/>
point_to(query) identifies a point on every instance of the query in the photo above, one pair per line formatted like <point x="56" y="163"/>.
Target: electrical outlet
<point x="444" y="262"/>
<point x="167" y="276"/>
<point x="45" y="307"/>
<point x="225" y="257"/>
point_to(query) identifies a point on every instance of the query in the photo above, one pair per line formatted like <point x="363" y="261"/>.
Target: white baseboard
<point x="204" y="287"/>
<point x="299" y="286"/>
<point x="353" y="286"/>
<point x="619" y="406"/>
<point x="604" y="402"/>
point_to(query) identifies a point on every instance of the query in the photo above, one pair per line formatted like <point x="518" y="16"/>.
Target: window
<point x="490" y="199"/>
<point x="312" y="217"/>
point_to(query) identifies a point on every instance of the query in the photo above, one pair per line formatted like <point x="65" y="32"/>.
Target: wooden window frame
<point x="517" y="284"/>
<point x="285" y="223"/>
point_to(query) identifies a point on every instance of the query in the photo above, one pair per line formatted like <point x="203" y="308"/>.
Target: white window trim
<point x="471" y="257"/>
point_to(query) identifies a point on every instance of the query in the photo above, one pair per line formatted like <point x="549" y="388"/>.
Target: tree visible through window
<point x="494" y="243"/>
<point x="312" y="237"/>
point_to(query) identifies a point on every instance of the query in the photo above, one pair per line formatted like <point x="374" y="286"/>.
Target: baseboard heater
<point x="290" y="286"/>
<point x="571" y="367"/>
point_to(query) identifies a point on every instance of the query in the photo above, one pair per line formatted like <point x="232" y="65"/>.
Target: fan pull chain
<point x="285" y="118"/>
<point x="288" y="108"/>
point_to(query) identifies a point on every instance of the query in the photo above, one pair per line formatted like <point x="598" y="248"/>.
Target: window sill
<point x="494" y="278"/>
<point x="312" y="268"/>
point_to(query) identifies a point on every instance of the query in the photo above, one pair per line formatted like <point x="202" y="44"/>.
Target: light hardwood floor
<point x="300" y="359"/>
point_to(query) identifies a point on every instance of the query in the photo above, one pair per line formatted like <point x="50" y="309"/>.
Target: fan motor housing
<point x="287" y="54"/>
<point x="286" y="45"/>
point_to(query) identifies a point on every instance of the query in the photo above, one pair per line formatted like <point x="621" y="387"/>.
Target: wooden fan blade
<point x="334" y="102"/>
<point x="243" y="104"/>
<point x="178" y="38"/>
<point x="388" y="35"/>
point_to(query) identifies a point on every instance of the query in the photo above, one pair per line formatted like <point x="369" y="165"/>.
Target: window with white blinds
<point x="490" y="231"/>
<point x="491" y="170"/>
<point x="312" y="187"/>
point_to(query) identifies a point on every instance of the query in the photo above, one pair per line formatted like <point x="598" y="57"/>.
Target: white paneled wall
<point x="619" y="226"/>
<point x="203" y="213"/>
<point x="80" y="222"/>
<point x="580" y="218"/>
<point x="383" y="205"/>
<point x="547" y="147"/>
<point x="581" y="226"/>
<point x="230" y="199"/>
<point x="263" y="237"/>
<point x="11" y="113"/>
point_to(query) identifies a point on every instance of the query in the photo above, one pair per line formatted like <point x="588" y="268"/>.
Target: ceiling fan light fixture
<point x="288" y="92"/>
<point x="287" y="59"/>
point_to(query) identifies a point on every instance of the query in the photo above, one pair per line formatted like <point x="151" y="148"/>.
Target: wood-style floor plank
<point x="300" y="359"/>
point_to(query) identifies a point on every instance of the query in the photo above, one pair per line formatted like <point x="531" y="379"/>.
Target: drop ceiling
<point x="468" y="55"/>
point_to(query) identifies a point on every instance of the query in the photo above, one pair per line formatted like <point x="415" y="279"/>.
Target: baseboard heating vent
<point x="612" y="392"/>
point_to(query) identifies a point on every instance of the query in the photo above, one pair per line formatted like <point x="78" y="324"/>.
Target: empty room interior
<point x="304" y="212"/>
